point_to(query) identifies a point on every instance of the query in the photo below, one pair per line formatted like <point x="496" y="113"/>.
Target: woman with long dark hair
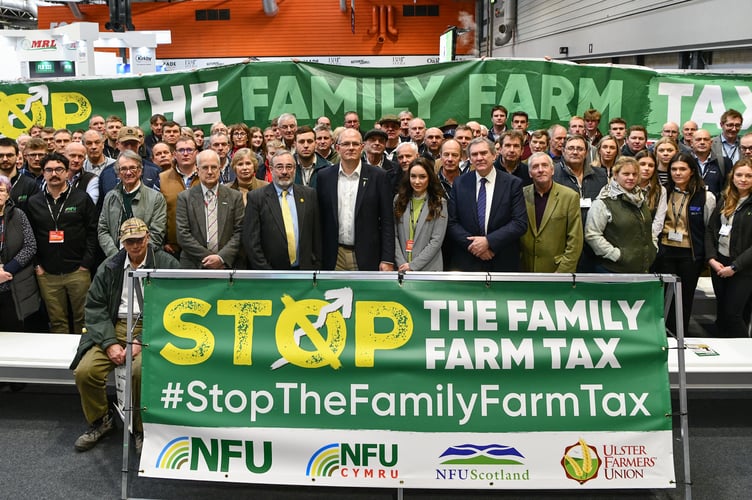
<point x="681" y="248"/>
<point x="655" y="194"/>
<point x="420" y="219"/>
<point x="728" y="247"/>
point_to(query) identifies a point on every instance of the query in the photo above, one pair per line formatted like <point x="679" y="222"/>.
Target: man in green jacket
<point x="102" y="346"/>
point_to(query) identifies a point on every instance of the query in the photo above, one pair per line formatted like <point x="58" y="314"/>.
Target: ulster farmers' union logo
<point x="581" y="462"/>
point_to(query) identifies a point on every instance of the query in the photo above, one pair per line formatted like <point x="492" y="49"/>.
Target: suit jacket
<point x="191" y="226"/>
<point x="171" y="184"/>
<point x="374" y="219"/>
<point x="427" y="240"/>
<point x="507" y="222"/>
<point x="556" y="245"/>
<point x="716" y="147"/>
<point x="264" y="237"/>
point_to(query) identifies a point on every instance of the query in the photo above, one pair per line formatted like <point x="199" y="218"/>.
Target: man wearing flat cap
<point x="391" y="125"/>
<point x="102" y="346"/>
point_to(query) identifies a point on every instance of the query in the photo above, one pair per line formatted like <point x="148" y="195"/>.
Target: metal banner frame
<point x="671" y="283"/>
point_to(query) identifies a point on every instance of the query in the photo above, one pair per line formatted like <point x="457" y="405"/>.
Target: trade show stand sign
<point x="414" y="384"/>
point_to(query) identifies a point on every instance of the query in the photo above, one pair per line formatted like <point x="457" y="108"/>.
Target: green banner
<point x="254" y="93"/>
<point x="421" y="356"/>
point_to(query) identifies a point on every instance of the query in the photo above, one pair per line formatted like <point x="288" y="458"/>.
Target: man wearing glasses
<point x="725" y="147"/>
<point x="355" y="203"/>
<point x="288" y="125"/>
<point x="65" y="226"/>
<point x="131" y="198"/>
<point x="35" y="150"/>
<point x="128" y="140"/>
<point x="576" y="173"/>
<point x="281" y="225"/>
<point x="209" y="220"/>
<point x="173" y="182"/>
<point x="22" y="187"/>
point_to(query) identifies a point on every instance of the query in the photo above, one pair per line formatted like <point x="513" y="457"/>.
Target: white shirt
<point x="123" y="309"/>
<point x="491" y="181"/>
<point x="347" y="194"/>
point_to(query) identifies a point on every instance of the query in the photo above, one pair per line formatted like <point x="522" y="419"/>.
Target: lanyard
<point x="55" y="217"/>
<point x="2" y="232"/>
<point x="681" y="207"/>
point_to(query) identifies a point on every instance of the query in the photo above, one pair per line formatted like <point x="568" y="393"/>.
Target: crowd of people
<point x="79" y="208"/>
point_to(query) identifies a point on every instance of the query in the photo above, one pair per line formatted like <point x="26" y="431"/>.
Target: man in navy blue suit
<point x="355" y="203"/>
<point x="487" y="215"/>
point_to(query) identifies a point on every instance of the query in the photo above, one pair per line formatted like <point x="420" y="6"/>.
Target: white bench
<point x="39" y="358"/>
<point x="44" y="358"/>
<point x="713" y="363"/>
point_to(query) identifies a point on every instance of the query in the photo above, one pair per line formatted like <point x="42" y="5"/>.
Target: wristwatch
<point x="733" y="267"/>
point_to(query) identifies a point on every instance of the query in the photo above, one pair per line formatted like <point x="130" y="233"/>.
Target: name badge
<point x="674" y="236"/>
<point x="586" y="202"/>
<point x="725" y="230"/>
<point x="57" y="236"/>
<point x="409" y="245"/>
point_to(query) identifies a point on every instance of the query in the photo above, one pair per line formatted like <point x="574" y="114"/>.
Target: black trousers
<point x="731" y="296"/>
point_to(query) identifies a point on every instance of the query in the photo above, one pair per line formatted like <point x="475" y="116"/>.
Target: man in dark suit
<point x="209" y="219"/>
<point x="487" y="215"/>
<point x="269" y="241"/>
<point x="355" y="201"/>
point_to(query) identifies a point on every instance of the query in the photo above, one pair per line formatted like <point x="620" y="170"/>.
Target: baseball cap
<point x="128" y="134"/>
<point x="133" y="228"/>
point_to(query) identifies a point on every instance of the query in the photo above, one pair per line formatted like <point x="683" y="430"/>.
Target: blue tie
<point x="482" y="205"/>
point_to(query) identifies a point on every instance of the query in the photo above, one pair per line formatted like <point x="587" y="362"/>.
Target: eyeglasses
<point x="350" y="144"/>
<point x="123" y="170"/>
<point x="284" y="168"/>
<point x="185" y="151"/>
<point x="746" y="148"/>
<point x="733" y="125"/>
<point x="56" y="170"/>
<point x="239" y="134"/>
<point x="7" y="155"/>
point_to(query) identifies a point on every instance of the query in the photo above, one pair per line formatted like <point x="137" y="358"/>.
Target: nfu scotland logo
<point x="469" y="462"/>
<point x="355" y="460"/>
<point x="216" y="455"/>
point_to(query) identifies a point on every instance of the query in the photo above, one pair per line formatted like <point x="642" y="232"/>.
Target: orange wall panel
<point x="301" y="28"/>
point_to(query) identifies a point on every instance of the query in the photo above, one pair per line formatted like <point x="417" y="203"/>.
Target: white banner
<point x="389" y="459"/>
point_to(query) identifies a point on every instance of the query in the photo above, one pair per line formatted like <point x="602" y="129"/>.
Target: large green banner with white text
<point x="254" y="93"/>
<point x="419" y="383"/>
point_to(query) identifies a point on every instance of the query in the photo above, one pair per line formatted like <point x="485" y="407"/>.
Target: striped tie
<point x="482" y="205"/>
<point x="212" y="243"/>
<point x="289" y="228"/>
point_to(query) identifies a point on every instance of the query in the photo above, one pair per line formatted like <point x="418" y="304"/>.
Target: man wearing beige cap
<point x="102" y="346"/>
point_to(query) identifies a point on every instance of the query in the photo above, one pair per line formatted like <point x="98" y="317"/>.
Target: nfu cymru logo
<point x="358" y="460"/>
<point x="216" y="455"/>
<point x="581" y="462"/>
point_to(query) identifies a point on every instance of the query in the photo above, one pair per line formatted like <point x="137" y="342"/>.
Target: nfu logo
<point x="366" y="460"/>
<point x="214" y="455"/>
